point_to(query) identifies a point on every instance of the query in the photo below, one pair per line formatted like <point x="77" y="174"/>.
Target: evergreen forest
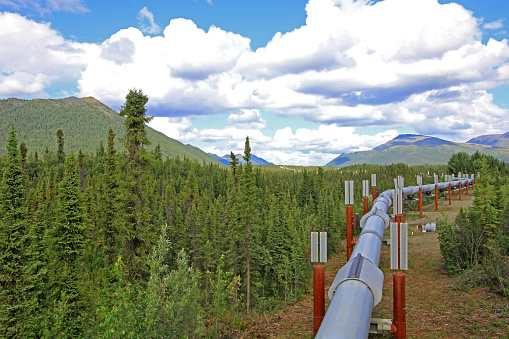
<point x="124" y="242"/>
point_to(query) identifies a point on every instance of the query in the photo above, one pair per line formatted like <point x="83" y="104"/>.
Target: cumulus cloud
<point x="35" y="56"/>
<point x="187" y="70"/>
<point x="146" y="22"/>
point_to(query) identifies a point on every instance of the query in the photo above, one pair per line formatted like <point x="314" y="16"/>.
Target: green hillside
<point x="416" y="150"/>
<point x="85" y="123"/>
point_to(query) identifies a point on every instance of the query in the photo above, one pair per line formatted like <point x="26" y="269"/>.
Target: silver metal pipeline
<point x="358" y="285"/>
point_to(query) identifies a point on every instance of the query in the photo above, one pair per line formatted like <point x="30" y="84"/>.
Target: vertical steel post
<point x="319" y="296"/>
<point x="436" y="197"/>
<point x="399" y="305"/>
<point x="349" y="232"/>
<point x="365" y="205"/>
<point x="420" y="200"/>
<point x="450" y="193"/>
<point x="373" y="187"/>
<point x="460" y="190"/>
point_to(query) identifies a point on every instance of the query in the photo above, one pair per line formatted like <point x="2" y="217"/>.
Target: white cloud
<point x="393" y="64"/>
<point x="494" y="24"/>
<point x="187" y="70"/>
<point x="304" y="147"/>
<point x="248" y="118"/>
<point x="146" y="22"/>
<point x="34" y="56"/>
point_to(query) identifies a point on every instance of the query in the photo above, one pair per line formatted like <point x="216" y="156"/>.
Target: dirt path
<point x="434" y="307"/>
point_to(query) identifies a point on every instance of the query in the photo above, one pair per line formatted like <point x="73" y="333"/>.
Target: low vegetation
<point x="475" y="246"/>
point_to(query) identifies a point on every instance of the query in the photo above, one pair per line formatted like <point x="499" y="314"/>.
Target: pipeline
<point x="358" y="285"/>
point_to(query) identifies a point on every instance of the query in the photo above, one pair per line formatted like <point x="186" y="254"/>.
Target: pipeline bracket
<point x="377" y="212"/>
<point x="361" y="269"/>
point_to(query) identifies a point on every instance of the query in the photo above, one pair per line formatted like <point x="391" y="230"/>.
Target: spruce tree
<point x="13" y="238"/>
<point x="134" y="140"/>
<point x="60" y="147"/>
<point x="68" y="239"/>
<point x="250" y="218"/>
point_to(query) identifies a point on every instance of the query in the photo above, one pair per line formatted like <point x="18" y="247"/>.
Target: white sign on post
<point x="349" y="192"/>
<point x="323" y="246"/>
<point x="399" y="262"/>
<point x="365" y="188"/>
<point x="314" y="247"/>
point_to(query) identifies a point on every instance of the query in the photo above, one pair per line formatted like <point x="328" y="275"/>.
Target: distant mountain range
<point x="415" y="149"/>
<point x="85" y="123"/>
<point x="225" y="159"/>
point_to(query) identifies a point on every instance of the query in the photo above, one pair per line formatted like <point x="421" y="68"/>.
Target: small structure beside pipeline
<point x="358" y="285"/>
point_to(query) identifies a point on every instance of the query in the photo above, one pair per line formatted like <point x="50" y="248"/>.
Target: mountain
<point x="413" y="149"/>
<point x="225" y="159"/>
<point x="85" y="123"/>
<point x="495" y="140"/>
<point x="222" y="159"/>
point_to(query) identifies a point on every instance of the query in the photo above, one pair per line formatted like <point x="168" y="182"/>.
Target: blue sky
<point x="305" y="80"/>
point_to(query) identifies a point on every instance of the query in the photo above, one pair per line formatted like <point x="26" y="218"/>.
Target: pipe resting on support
<point x="358" y="285"/>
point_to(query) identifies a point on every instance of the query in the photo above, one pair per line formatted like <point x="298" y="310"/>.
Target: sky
<point x="305" y="80"/>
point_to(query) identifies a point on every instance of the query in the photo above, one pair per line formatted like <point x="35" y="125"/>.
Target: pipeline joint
<point x="378" y="212"/>
<point x="363" y="270"/>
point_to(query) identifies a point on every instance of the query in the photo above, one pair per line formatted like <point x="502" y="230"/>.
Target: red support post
<point x="450" y="193"/>
<point x="436" y="197"/>
<point x="349" y="232"/>
<point x="373" y="193"/>
<point x="466" y="187"/>
<point x="365" y="205"/>
<point x="319" y="296"/>
<point x="399" y="320"/>
<point x="473" y="184"/>
<point x="460" y="191"/>
<point x="420" y="200"/>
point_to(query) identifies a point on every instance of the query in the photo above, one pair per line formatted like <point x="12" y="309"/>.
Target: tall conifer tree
<point x="134" y="140"/>
<point x="68" y="238"/>
<point x="13" y="259"/>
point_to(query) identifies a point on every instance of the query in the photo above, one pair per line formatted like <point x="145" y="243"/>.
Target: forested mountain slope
<point x="413" y="149"/>
<point x="85" y="123"/>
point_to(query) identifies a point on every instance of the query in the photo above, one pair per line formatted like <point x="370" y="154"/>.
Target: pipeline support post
<point x="319" y="296"/>
<point x="399" y="320"/>
<point x="460" y="190"/>
<point x="420" y="200"/>
<point x="365" y="205"/>
<point x="373" y="187"/>
<point x="450" y="193"/>
<point x="436" y="197"/>
<point x="349" y="201"/>
<point x="349" y="232"/>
